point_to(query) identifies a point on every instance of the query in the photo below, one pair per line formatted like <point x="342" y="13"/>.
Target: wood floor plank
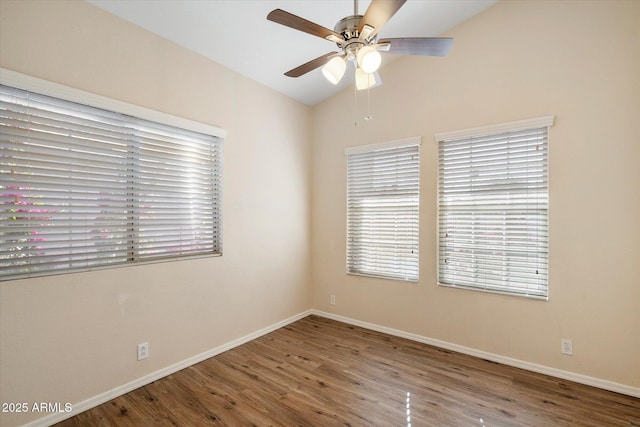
<point x="319" y="372"/>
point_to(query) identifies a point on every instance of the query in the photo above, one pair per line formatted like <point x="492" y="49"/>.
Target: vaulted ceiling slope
<point x="236" y="33"/>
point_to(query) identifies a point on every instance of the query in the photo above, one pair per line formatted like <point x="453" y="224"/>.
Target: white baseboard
<point x="154" y="376"/>
<point x="533" y="367"/>
<point x="94" y="401"/>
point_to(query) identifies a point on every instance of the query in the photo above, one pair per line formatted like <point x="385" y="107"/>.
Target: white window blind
<point x="84" y="187"/>
<point x="383" y="194"/>
<point x="493" y="208"/>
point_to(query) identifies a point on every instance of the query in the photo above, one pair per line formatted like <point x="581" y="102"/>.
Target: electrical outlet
<point x="566" y="346"/>
<point x="332" y="300"/>
<point x="143" y="350"/>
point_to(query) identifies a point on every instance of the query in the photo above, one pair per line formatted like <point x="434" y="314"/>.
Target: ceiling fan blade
<point x="293" y="21"/>
<point x="378" y="13"/>
<point x="430" y="46"/>
<point x="311" y="65"/>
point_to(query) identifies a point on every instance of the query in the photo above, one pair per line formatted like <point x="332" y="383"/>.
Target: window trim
<point x="45" y="87"/>
<point x="544" y="121"/>
<point x="51" y="89"/>
<point x="369" y="148"/>
<point x="481" y="131"/>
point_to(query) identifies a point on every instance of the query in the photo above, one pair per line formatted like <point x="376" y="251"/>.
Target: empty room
<point x="319" y="213"/>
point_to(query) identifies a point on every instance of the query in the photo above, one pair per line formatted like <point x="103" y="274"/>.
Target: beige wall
<point x="71" y="337"/>
<point x="579" y="61"/>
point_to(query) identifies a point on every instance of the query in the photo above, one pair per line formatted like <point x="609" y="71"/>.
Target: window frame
<point x="65" y="93"/>
<point x="494" y="131"/>
<point x="404" y="272"/>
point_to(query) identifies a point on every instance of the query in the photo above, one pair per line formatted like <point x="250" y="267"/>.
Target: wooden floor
<point x="319" y="372"/>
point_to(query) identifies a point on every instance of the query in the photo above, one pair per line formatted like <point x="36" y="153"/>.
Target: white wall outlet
<point x="143" y="350"/>
<point x="332" y="300"/>
<point x="566" y="346"/>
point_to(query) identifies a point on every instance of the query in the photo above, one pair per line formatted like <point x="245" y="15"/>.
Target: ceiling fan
<point x="356" y="36"/>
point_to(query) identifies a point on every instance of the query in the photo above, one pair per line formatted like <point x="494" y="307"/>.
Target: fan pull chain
<point x="355" y="106"/>
<point x="368" y="116"/>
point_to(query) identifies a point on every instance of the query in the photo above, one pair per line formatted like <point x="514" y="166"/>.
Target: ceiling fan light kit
<point x="356" y="36"/>
<point x="369" y="59"/>
<point x="334" y="69"/>
<point x="367" y="80"/>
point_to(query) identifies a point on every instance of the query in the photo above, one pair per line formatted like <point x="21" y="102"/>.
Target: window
<point x="383" y="194"/>
<point x="84" y="187"/>
<point x="493" y="208"/>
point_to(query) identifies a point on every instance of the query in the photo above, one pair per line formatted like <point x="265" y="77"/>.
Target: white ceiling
<point x="236" y="33"/>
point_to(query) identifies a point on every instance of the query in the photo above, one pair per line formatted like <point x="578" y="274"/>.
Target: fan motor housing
<point x="348" y="27"/>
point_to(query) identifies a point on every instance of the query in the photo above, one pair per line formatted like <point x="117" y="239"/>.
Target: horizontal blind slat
<point x="84" y="187"/>
<point x="382" y="212"/>
<point x="492" y="212"/>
